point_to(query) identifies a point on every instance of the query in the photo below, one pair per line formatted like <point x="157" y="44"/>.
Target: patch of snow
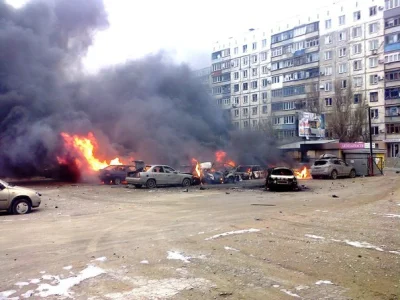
<point x="392" y="216"/>
<point x="67" y="268"/>
<point x="338" y="241"/>
<point x="319" y="282"/>
<point x="47" y="277"/>
<point x="145" y="262"/>
<point x="290" y="293"/>
<point x="301" y="287"/>
<point x="28" y="294"/>
<point x="42" y="272"/>
<point x="325" y="211"/>
<point x="395" y="252"/>
<point x="178" y="256"/>
<point x="314" y="236"/>
<point x="160" y="289"/>
<point x="276" y="285"/>
<point x="7" y="220"/>
<point x="35" y="281"/>
<point x="362" y="245"/>
<point x="201" y="232"/>
<point x="232" y="233"/>
<point x="6" y="294"/>
<point x="103" y="258"/>
<point x="21" y="284"/>
<point x="63" y="285"/>
<point x="231" y="249"/>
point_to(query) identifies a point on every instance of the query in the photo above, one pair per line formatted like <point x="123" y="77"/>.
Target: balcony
<point x="392" y="47"/>
<point x="285" y="126"/>
<point x="392" y="119"/>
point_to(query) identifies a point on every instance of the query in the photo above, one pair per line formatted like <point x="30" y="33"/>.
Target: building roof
<point x="296" y="146"/>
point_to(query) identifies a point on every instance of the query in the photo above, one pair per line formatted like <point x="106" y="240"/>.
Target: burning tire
<point x="151" y="184"/>
<point x="186" y="182"/>
<point x="21" y="207"/>
<point x="334" y="175"/>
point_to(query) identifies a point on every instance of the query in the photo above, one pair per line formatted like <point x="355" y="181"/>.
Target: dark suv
<point x="279" y="178"/>
<point x="115" y="174"/>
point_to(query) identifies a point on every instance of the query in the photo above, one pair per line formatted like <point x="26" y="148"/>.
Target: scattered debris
<point x="232" y="233"/>
<point x="186" y="191"/>
<point x="178" y="256"/>
<point x="392" y="216"/>
<point x="231" y="249"/>
<point x="258" y="219"/>
<point x="145" y="262"/>
<point x="67" y="268"/>
<point x="290" y="293"/>
<point x="227" y="193"/>
<point x="224" y="294"/>
<point x="259" y="204"/>
<point x="334" y="196"/>
<point x="319" y="282"/>
<point x="202" y="188"/>
<point x="103" y="258"/>
<point x="314" y="236"/>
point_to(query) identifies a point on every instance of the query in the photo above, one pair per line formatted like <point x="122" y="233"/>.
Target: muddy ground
<point x="101" y="242"/>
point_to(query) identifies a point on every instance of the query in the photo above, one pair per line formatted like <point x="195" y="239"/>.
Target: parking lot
<point x="332" y="240"/>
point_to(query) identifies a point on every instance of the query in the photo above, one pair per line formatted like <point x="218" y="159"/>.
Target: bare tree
<point x="312" y="103"/>
<point x="347" y="119"/>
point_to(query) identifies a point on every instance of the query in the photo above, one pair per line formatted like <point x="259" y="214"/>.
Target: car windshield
<point x="283" y="172"/>
<point x="320" y="162"/>
<point x="4" y="183"/>
<point x="243" y="168"/>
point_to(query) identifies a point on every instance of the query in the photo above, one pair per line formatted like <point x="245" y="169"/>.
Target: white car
<point x="156" y="175"/>
<point x="17" y="200"/>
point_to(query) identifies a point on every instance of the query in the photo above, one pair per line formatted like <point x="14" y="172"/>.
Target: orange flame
<point x="85" y="147"/>
<point x="303" y="174"/>
<point x="220" y="156"/>
<point x="197" y="169"/>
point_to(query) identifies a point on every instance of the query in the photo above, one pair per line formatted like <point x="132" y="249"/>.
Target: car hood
<point x="20" y="189"/>
<point x="282" y="177"/>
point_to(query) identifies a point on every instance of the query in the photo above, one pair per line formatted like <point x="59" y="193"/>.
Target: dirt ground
<point x="102" y="242"/>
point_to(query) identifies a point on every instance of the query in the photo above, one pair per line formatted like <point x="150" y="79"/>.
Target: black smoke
<point x="152" y="108"/>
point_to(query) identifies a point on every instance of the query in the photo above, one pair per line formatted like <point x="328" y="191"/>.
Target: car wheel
<point x="353" y="173"/>
<point x="186" y="182"/>
<point x="21" y="207"/>
<point x="151" y="184"/>
<point x="334" y="175"/>
<point x="117" y="181"/>
<point x="138" y="186"/>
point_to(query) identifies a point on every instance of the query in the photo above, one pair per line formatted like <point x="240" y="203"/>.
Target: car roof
<point x="281" y="168"/>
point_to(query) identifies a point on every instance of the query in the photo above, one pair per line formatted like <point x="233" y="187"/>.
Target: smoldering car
<point x="281" y="178"/>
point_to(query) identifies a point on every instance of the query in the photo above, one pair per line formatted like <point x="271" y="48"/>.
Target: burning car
<point x="246" y="172"/>
<point x="153" y="176"/>
<point x="115" y="174"/>
<point x="281" y="177"/>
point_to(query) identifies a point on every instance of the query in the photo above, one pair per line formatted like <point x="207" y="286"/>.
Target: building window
<point x="342" y="36"/>
<point x="343" y="83"/>
<point x="236" y="88"/>
<point x="227" y="101"/>
<point x="254" y="97"/>
<point x="264" y="70"/>
<point x="392" y="76"/>
<point x="276" y="93"/>
<point x="393" y="128"/>
<point x="254" y="59"/>
<point x="245" y="111"/>
<point x="236" y="75"/>
<point x="264" y="55"/>
<point x="236" y="50"/>
<point x="288" y="120"/>
<point x="254" y="46"/>
<point x="356" y="32"/>
<point x="264" y="43"/>
<point x="392" y="22"/>
<point x="358" y="81"/>
<point x="375" y="130"/>
<point x="265" y="109"/>
<point x="357" y="65"/>
<point x="245" y="74"/>
<point x="276" y="79"/>
<point x="217" y="90"/>
<point x="245" y="60"/>
<point x="389" y="4"/>
<point x="372" y="11"/>
<point x="328" y="55"/>
<point x="328" y="24"/>
<point x="328" y="86"/>
<point x="328" y="39"/>
<point x="254" y="84"/>
<point x="245" y="86"/>
<point x="254" y="110"/>
<point x="236" y="100"/>
<point x="374" y="113"/>
<point x="219" y="101"/>
<point x="236" y="113"/>
<point x="342" y="52"/>
<point x="373" y="45"/>
<point x="264" y="82"/>
<point x="357" y="98"/>
<point x="328" y="71"/>
<point x="373" y="79"/>
<point x="328" y="101"/>
<point x="236" y="124"/>
<point x="392" y="58"/>
<point x="343" y="68"/>
<point x="254" y="72"/>
<point x="373" y="62"/>
<point x="245" y="99"/>
<point x="254" y="123"/>
<point x="373" y="27"/>
<point x="357" y="48"/>
<point x="357" y="15"/>
<point x="288" y="105"/>
<point x="342" y="20"/>
<point x="277" y="121"/>
<point x="276" y="51"/>
<point x="246" y="124"/>
<point x="373" y="97"/>
<point x="264" y="95"/>
<point x="244" y="48"/>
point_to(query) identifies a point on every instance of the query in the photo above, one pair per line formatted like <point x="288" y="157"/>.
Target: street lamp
<point x="371" y="159"/>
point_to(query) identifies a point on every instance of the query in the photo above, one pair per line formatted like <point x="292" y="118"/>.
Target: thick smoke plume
<point x="150" y="109"/>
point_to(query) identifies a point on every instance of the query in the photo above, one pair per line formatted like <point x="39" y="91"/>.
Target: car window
<point x="243" y="168"/>
<point x="131" y="169"/>
<point x="169" y="170"/>
<point x="256" y="168"/>
<point x="343" y="163"/>
<point x="320" y="162"/>
<point x="283" y="172"/>
<point x="158" y="169"/>
<point x="336" y="162"/>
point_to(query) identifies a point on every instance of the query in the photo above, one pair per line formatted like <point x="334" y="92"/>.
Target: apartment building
<point x="240" y="75"/>
<point x="392" y="76"/>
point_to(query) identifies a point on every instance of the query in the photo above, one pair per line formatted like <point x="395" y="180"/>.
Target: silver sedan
<point x="156" y="175"/>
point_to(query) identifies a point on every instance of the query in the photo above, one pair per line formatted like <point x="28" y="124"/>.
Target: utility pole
<point x="371" y="153"/>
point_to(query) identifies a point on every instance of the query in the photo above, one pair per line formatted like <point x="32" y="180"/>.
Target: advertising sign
<point x="311" y="125"/>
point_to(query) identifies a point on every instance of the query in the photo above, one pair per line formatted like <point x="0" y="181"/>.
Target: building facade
<point x="270" y="75"/>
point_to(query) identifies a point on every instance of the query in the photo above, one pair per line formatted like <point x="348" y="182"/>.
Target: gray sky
<point x="186" y="29"/>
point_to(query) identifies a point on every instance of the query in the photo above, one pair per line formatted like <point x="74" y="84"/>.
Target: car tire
<point x="186" y="182"/>
<point x="151" y="184"/>
<point x="353" y="174"/>
<point x="21" y="206"/>
<point x="334" y="175"/>
<point x="138" y="186"/>
<point x="117" y="181"/>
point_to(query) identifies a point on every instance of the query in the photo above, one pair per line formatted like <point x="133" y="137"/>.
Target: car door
<point x="346" y="168"/>
<point x="338" y="167"/>
<point x="4" y="197"/>
<point x="173" y="177"/>
<point x="159" y="175"/>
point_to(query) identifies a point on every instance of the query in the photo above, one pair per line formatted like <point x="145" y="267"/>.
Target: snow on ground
<point x="362" y="245"/>
<point x="290" y="293"/>
<point x="67" y="268"/>
<point x="232" y="233"/>
<point x="178" y="256"/>
<point x="314" y="236"/>
<point x="392" y="216"/>
<point x="230" y="249"/>
<point x="319" y="282"/>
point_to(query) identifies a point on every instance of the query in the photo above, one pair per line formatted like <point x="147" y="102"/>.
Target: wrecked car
<point x="153" y="176"/>
<point x="18" y="200"/>
<point x="246" y="172"/>
<point x="331" y="167"/>
<point x="115" y="174"/>
<point x="281" y="178"/>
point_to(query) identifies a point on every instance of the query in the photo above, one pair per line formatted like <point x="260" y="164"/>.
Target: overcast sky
<point x="185" y="28"/>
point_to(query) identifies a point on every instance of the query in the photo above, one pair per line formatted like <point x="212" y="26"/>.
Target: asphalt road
<point x="225" y="242"/>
